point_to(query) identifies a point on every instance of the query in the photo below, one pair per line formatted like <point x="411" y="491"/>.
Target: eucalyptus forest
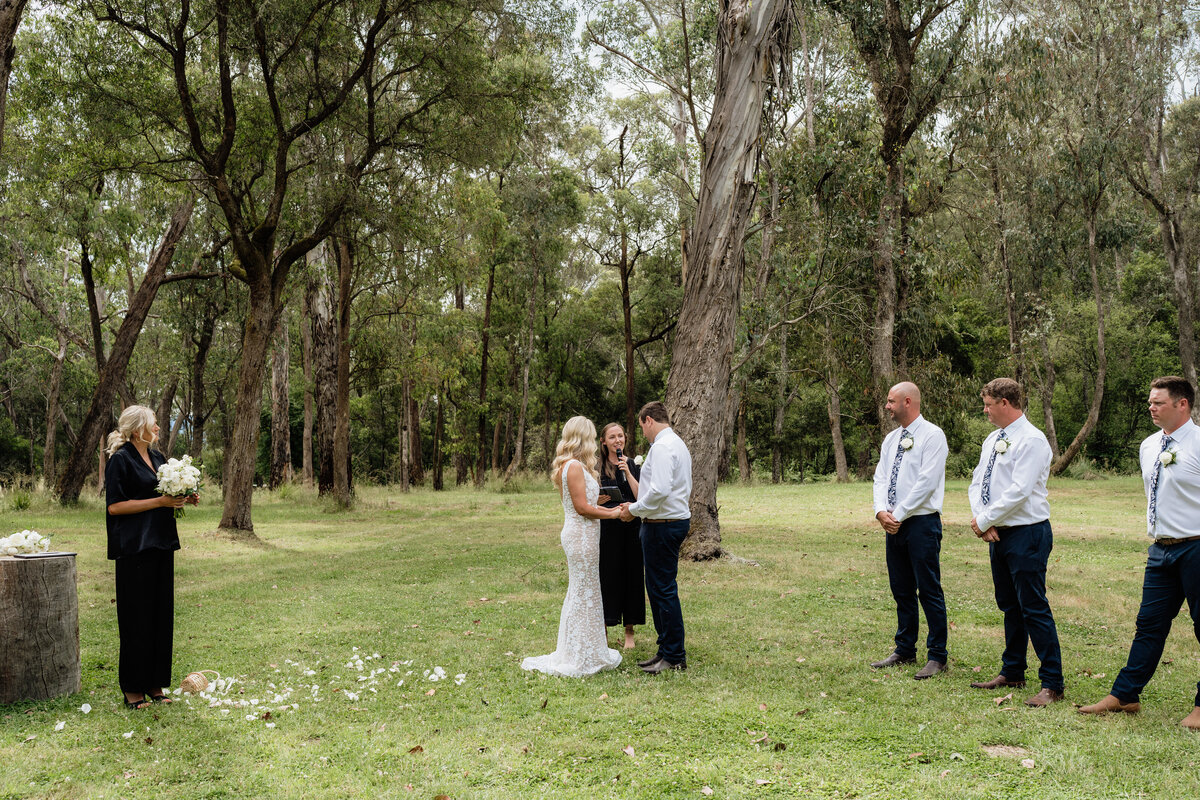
<point x="345" y="242"/>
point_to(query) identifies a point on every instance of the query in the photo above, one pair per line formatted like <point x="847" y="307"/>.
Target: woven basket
<point x="196" y="681"/>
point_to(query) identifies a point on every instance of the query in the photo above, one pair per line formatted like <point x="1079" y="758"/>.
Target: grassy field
<point x="335" y="626"/>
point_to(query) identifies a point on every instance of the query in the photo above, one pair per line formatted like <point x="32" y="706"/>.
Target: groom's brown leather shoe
<point x="649" y="661"/>
<point x="1111" y="703"/>
<point x="998" y="682"/>
<point x="1044" y="698"/>
<point x="662" y="665"/>
<point x="930" y="669"/>
<point x="892" y="660"/>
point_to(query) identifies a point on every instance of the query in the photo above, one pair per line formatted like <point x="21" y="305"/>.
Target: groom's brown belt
<point x="1169" y="540"/>
<point x="663" y="520"/>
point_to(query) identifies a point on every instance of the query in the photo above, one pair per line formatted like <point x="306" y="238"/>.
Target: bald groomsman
<point x="910" y="480"/>
<point x="1012" y="514"/>
<point x="1170" y="461"/>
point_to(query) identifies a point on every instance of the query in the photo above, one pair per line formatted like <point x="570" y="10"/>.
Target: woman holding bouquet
<point x="142" y="539"/>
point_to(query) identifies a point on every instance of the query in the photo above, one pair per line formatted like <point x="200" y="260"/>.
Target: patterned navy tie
<point x="986" y="494"/>
<point x="896" y="470"/>
<point x="1158" y="466"/>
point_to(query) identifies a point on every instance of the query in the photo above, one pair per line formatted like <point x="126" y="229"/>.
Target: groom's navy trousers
<point x="915" y="574"/>
<point x="660" y="552"/>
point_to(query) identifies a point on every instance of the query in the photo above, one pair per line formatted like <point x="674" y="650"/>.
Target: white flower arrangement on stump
<point x="24" y="542"/>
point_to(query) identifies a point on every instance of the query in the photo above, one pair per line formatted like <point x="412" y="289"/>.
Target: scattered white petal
<point x="128" y="735"/>
<point x="270" y="724"/>
<point x="86" y="708"/>
<point x="58" y="726"/>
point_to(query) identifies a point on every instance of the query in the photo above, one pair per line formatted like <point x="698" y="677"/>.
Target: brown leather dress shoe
<point x="998" y="682"/>
<point x="1111" y="704"/>
<point x="662" y="665"/>
<point x="930" y="669"/>
<point x="1044" y="698"/>
<point x="892" y="660"/>
<point x="649" y="661"/>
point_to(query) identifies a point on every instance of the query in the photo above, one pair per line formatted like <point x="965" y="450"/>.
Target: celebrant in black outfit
<point x="142" y="539"/>
<point x="622" y="583"/>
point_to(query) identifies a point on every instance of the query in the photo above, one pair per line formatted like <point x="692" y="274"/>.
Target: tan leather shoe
<point x="1111" y="704"/>
<point x="1044" y="698"/>
<point x="998" y="682"/>
<point x="1192" y="720"/>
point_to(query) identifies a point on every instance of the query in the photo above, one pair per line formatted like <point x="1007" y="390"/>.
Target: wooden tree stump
<point x="39" y="628"/>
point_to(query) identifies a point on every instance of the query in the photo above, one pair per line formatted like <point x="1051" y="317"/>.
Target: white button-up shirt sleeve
<point x="665" y="486"/>
<point x="1018" y="491"/>
<point x="923" y="483"/>
<point x="1177" y="510"/>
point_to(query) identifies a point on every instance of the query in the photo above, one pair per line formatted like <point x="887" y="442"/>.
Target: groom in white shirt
<point x="1012" y="514"/>
<point x="664" y="493"/>
<point x="910" y="480"/>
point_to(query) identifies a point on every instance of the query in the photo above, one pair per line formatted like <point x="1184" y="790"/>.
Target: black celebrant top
<point x="128" y="478"/>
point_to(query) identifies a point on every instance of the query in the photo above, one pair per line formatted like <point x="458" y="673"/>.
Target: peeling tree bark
<point x="752" y="43"/>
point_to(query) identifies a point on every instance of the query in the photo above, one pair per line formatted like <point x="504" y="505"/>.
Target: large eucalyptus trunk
<point x="1093" y="416"/>
<point x="99" y="413"/>
<point x="281" y="429"/>
<point x="752" y="40"/>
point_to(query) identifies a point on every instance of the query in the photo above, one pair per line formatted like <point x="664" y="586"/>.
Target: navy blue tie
<point x="891" y="498"/>
<point x="1158" y="466"/>
<point x="986" y="494"/>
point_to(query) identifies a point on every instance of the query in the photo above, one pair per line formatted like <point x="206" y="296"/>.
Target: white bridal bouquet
<point x="178" y="478"/>
<point x="24" y="542"/>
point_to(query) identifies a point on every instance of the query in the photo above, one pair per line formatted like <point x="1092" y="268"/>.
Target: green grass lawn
<point x="778" y="700"/>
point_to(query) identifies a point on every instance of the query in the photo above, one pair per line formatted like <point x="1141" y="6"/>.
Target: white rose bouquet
<point x="24" y="542"/>
<point x="178" y="478"/>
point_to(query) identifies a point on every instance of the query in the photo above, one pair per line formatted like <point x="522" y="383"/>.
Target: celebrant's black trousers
<point x="146" y="619"/>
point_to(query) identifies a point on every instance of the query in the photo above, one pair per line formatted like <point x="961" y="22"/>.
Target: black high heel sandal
<point x="137" y="705"/>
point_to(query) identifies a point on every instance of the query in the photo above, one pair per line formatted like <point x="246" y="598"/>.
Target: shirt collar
<point x="1183" y="432"/>
<point x="1016" y="426"/>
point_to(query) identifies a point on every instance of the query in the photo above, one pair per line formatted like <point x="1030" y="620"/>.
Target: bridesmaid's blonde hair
<point x="131" y="423"/>
<point x="578" y="442"/>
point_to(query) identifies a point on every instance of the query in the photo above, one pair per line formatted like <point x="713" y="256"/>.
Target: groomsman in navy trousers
<point x="910" y="481"/>
<point x="1170" y="461"/>
<point x="1012" y="514"/>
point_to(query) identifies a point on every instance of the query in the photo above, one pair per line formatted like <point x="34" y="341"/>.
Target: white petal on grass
<point x="86" y="708"/>
<point x="58" y="726"/>
<point x="127" y="735"/>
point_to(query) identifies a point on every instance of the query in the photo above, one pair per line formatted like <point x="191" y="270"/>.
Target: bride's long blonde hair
<point x="578" y="442"/>
<point x="132" y="423"/>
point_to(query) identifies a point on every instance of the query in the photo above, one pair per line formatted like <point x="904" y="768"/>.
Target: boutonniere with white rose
<point x="907" y="443"/>
<point x="1001" y="446"/>
<point x="638" y="460"/>
<point x="1168" y="457"/>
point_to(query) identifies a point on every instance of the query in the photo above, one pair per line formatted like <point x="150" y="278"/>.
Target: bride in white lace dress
<point x="582" y="640"/>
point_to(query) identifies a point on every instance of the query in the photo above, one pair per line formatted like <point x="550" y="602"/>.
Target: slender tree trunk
<point x="198" y="412"/>
<point x="10" y="19"/>
<point x="481" y="467"/>
<point x="781" y="404"/>
<point x="833" y="406"/>
<point x="99" y="414"/>
<point x="325" y="355"/>
<point x="526" y="363"/>
<point x="1093" y="416"/>
<point x="1015" y="350"/>
<point x="415" y="458"/>
<point x="439" y="429"/>
<point x="1047" y="393"/>
<point x="53" y="408"/>
<point x="341" y="428"/>
<point x="752" y="40"/>
<point x="496" y="451"/>
<point x="402" y="425"/>
<point x="742" y="455"/>
<point x="281" y="428"/>
<point x="306" y="357"/>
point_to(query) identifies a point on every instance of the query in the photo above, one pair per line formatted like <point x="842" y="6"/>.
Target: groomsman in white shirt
<point x="1011" y="512"/>
<point x="910" y="480"/>
<point x="663" y="502"/>
<point x="1170" y="461"/>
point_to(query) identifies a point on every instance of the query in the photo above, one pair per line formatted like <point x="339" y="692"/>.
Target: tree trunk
<point x="526" y="362"/>
<point x="1015" y="350"/>
<point x="415" y="458"/>
<point x="833" y="406"/>
<point x="341" y="428"/>
<point x="306" y="358"/>
<point x="281" y="429"/>
<point x="1093" y="416"/>
<point x="1048" y="395"/>
<point x="99" y="414"/>
<point x="10" y="19"/>
<point x="781" y="404"/>
<point x="481" y="467"/>
<point x="402" y="423"/>
<point x="325" y="354"/>
<point x="743" y="456"/>
<point x="752" y="40"/>
<point x="439" y="430"/>
<point x="53" y="409"/>
<point x="199" y="415"/>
